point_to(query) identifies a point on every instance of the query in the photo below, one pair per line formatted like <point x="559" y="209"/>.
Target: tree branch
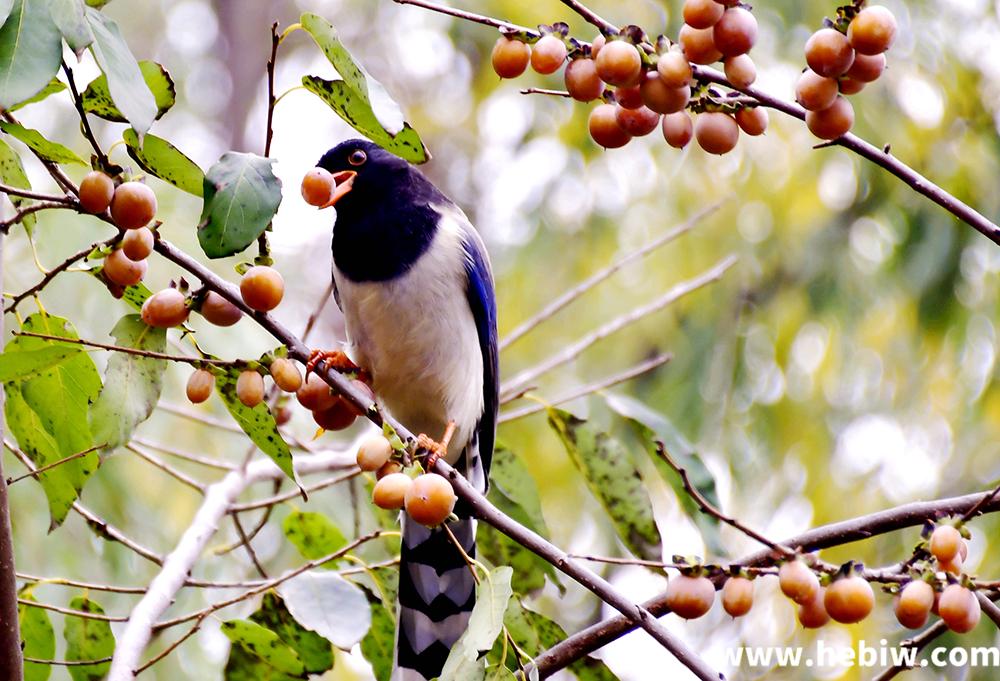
<point x="55" y="271"/>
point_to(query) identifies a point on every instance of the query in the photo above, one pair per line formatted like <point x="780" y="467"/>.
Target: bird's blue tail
<point x="436" y="595"/>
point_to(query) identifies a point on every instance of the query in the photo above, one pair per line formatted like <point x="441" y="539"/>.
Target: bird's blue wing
<point x="482" y="302"/>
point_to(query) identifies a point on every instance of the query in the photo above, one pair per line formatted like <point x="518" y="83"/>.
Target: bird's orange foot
<point x="334" y="359"/>
<point x="435" y="450"/>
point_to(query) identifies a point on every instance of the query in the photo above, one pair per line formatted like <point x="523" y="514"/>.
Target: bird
<point x="413" y="279"/>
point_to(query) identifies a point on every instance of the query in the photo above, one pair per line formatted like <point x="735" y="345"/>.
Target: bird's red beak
<point x="345" y="181"/>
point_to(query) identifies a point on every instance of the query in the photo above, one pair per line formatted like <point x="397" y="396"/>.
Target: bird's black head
<point x="384" y="215"/>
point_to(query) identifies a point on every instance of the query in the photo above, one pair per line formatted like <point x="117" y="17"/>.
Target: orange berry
<point x="637" y="122"/>
<point x="374" y="453"/>
<point x="317" y="186"/>
<point x="740" y="70"/>
<point x="133" y="205"/>
<point x="430" y="499"/>
<point x="812" y="613"/>
<point x="337" y="417"/>
<point x="913" y="604"/>
<point x="866" y="68"/>
<point x="797" y="581"/>
<point x="849" y="86"/>
<point x="548" y="55"/>
<point x="945" y="542"/>
<point x="582" y="81"/>
<point x="873" y="30"/>
<point x="828" y="53"/>
<point x="262" y="288"/>
<point x="690" y="597"/>
<point x="618" y="63"/>
<point x="96" y="192"/>
<point x="674" y="69"/>
<point x="219" y="311"/>
<point x="737" y="596"/>
<point x="959" y="608"/>
<point x="815" y="92"/>
<point x="677" y="129"/>
<point x="716" y="132"/>
<point x="832" y="122"/>
<point x="736" y="32"/>
<point x="596" y="44"/>
<point x="663" y="99"/>
<point x="510" y="57"/>
<point x="849" y="600"/>
<point x="390" y="491"/>
<point x="200" y="385"/>
<point x="628" y="97"/>
<point x="286" y="375"/>
<point x="699" y="45"/>
<point x="165" y="309"/>
<point x="250" y="388"/>
<point x="752" y="120"/>
<point x="315" y="394"/>
<point x="122" y="270"/>
<point x="604" y="128"/>
<point x="138" y="243"/>
<point x="702" y="13"/>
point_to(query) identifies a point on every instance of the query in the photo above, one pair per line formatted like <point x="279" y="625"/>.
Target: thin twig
<point x="24" y="212"/>
<point x="167" y="468"/>
<point x="572" y="351"/>
<point x="38" y="471"/>
<point x="28" y="194"/>
<point x="67" y="663"/>
<point x="134" y="351"/>
<point x="73" y="613"/>
<point x="593" y="280"/>
<point x="172" y="647"/>
<point x="989" y="607"/>
<point x="291" y="494"/>
<point x="59" y="581"/>
<point x="245" y="541"/>
<point x="709" y="509"/>
<point x="544" y="91"/>
<point x="627" y="375"/>
<point x="55" y="271"/>
<point x="504" y="26"/>
<point x="186" y="456"/>
<point x="592" y="17"/>
<point x="974" y="511"/>
<point x="87" y="131"/>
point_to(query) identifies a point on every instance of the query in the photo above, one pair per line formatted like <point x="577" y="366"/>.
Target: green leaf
<point x="313" y="534"/>
<point x="613" y="479"/>
<point x="55" y="85"/>
<point x="38" y="636"/>
<point x="241" y="197"/>
<point x="359" y="115"/>
<point x="328" y="604"/>
<point x="30" y="51"/>
<point x="42" y="449"/>
<point x="379" y="643"/>
<point x="88" y="639"/>
<point x="97" y="97"/>
<point x="98" y="4"/>
<point x="132" y="383"/>
<point x="126" y="84"/>
<point x="47" y="413"/>
<point x="17" y="364"/>
<point x="485" y="624"/>
<point x="535" y="633"/>
<point x="257" y="422"/>
<point x="358" y="98"/>
<point x="265" y="645"/>
<point x="513" y="491"/>
<point x="47" y="150"/>
<point x="315" y="651"/>
<point x="12" y="173"/>
<point x="70" y="16"/>
<point x="160" y="158"/>
<point x="650" y="426"/>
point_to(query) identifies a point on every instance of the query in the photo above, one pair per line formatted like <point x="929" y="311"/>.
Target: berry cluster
<point x="843" y="57"/>
<point x="133" y="206"/>
<point x="643" y="86"/>
<point x="428" y="498"/>
<point x="846" y="596"/>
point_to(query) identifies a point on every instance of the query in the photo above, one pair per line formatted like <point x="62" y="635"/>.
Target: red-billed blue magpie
<point x="413" y="280"/>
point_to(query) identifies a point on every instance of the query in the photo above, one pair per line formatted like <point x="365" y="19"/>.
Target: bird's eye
<point x="357" y="157"/>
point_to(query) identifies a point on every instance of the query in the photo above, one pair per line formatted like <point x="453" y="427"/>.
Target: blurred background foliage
<point x="845" y="365"/>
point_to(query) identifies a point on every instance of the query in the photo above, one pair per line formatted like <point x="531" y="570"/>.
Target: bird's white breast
<point x="417" y="337"/>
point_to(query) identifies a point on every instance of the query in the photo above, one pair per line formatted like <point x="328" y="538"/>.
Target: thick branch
<point x="835" y="534"/>
<point x="178" y="564"/>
